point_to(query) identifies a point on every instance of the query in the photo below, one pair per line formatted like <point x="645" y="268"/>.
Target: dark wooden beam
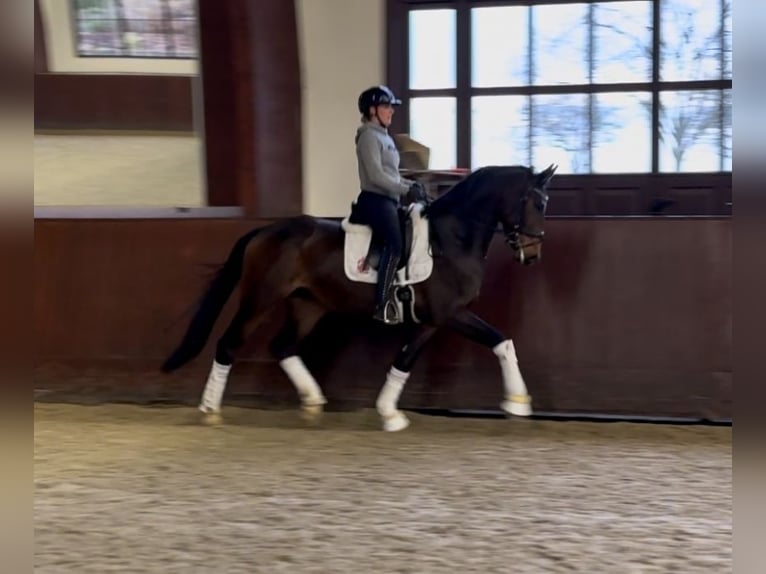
<point x="252" y="105"/>
<point x="41" y="54"/>
<point x="276" y="107"/>
<point x="227" y="133"/>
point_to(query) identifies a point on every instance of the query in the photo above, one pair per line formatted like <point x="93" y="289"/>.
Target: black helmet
<point x="376" y="96"/>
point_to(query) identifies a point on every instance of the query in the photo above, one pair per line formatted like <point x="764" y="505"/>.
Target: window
<point x="136" y="28"/>
<point x="612" y="86"/>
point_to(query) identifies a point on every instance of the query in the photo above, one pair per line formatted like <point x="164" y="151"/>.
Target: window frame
<point x="397" y="69"/>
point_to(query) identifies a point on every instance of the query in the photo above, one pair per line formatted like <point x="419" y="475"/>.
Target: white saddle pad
<point x="357" y="244"/>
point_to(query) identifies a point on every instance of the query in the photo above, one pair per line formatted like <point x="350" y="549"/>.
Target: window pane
<point x="622" y="133"/>
<point x="146" y="44"/>
<point x="690" y="40"/>
<point x="142" y="9"/>
<point x="185" y="38"/>
<point x="560" y="40"/>
<point x="499" y="130"/>
<point x="690" y="131"/>
<point x="726" y="130"/>
<point x="150" y="28"/>
<point x="560" y="132"/>
<point x="98" y="38"/>
<point x="142" y="26"/>
<point x="623" y="42"/>
<point x="433" y="122"/>
<point x="499" y="46"/>
<point x="183" y="9"/>
<point x="432" y="49"/>
<point x="727" y="39"/>
<point x="95" y="9"/>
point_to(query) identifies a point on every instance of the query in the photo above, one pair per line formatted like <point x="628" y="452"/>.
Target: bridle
<point x="534" y="237"/>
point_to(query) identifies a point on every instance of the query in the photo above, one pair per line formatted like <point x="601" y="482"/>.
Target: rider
<point x="381" y="189"/>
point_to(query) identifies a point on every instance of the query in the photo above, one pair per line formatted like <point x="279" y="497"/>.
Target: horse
<point x="297" y="264"/>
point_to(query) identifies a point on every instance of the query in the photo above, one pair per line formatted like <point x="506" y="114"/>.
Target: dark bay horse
<point x="297" y="264"/>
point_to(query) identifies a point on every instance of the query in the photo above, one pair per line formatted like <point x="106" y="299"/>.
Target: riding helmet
<point x="376" y="96"/>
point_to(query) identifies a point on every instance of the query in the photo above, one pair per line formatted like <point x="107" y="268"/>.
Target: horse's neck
<point x="466" y="229"/>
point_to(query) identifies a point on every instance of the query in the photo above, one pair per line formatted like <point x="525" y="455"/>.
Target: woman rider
<point x="381" y="191"/>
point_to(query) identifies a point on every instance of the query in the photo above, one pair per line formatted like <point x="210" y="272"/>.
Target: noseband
<point x="513" y="236"/>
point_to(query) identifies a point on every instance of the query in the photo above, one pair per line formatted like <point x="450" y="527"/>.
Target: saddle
<point x="363" y="248"/>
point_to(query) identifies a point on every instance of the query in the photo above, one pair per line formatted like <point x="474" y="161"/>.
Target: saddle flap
<point x="362" y="249"/>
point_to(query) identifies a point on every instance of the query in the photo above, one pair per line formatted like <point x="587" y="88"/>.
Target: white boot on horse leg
<point x="517" y="400"/>
<point x="213" y="393"/>
<point x="393" y="419"/>
<point x="312" y="399"/>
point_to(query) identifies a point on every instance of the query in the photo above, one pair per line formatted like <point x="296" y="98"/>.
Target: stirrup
<point x="388" y="313"/>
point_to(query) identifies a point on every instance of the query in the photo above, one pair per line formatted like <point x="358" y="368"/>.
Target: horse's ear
<point x="544" y="176"/>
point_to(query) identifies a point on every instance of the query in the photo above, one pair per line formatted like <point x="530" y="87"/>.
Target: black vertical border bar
<point x="464" y="81"/>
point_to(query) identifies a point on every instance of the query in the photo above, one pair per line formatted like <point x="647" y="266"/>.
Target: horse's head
<point x="523" y="217"/>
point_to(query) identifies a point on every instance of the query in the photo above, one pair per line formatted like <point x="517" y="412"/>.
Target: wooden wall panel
<point x="691" y="194"/>
<point x="623" y="316"/>
<point x="113" y="102"/>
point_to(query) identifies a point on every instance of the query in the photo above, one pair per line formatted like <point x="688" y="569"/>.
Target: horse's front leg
<point x="517" y="400"/>
<point x="393" y="418"/>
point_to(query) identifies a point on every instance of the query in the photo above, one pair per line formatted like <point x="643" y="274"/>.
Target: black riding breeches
<point x="380" y="213"/>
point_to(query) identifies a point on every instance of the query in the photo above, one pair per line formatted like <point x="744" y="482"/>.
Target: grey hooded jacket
<point x="378" y="161"/>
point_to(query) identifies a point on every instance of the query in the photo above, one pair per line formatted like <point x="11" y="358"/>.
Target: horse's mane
<point x="456" y="197"/>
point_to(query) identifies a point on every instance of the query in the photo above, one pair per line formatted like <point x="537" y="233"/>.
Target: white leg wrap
<point x="216" y="384"/>
<point x="307" y="387"/>
<point x="393" y="419"/>
<point x="389" y="394"/>
<point x="517" y="400"/>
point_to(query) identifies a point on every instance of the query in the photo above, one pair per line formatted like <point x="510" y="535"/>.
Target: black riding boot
<point x="386" y="309"/>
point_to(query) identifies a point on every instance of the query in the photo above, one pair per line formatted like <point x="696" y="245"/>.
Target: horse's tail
<point x="210" y="307"/>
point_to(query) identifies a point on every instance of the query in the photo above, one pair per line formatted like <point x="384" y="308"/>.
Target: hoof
<point x="395" y="422"/>
<point x="211" y="419"/>
<point x="312" y="413"/>
<point x="518" y="405"/>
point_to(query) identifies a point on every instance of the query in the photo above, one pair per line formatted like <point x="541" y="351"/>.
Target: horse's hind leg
<point x="393" y="419"/>
<point x="241" y="326"/>
<point x="302" y="316"/>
